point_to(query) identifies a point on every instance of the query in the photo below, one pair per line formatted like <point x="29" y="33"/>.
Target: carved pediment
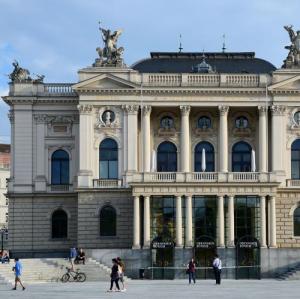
<point x="287" y="84"/>
<point x="104" y="81"/>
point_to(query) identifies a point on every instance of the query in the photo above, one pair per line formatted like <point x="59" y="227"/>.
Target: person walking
<point x="191" y="270"/>
<point x="121" y="266"/>
<point x="73" y="254"/>
<point x="114" y="276"/>
<point x="18" y="272"/>
<point x="217" y="265"/>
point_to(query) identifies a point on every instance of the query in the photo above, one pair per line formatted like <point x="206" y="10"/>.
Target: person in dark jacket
<point x="114" y="276"/>
<point x="191" y="270"/>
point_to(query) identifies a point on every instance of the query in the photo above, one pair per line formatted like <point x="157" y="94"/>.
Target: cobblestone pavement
<point x="241" y="289"/>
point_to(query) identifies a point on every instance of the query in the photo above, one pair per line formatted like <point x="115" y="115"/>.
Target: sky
<point x="57" y="37"/>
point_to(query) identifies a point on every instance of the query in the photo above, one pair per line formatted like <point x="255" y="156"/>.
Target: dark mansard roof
<point x="184" y="62"/>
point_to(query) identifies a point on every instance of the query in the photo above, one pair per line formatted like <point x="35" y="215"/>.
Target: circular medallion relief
<point x="108" y="117"/>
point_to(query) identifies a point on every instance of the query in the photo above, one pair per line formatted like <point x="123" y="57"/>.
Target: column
<point x="132" y="137"/>
<point x="263" y="239"/>
<point x="223" y="139"/>
<point x="273" y="242"/>
<point x="221" y="221"/>
<point x="178" y="222"/>
<point x="185" y="139"/>
<point x="278" y="138"/>
<point x="188" y="222"/>
<point x="85" y="145"/>
<point x="146" y="222"/>
<point x="230" y="221"/>
<point x="146" y="138"/>
<point x="136" y="223"/>
<point x="262" y="138"/>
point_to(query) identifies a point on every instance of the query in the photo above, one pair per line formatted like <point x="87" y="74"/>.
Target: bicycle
<point x="72" y="275"/>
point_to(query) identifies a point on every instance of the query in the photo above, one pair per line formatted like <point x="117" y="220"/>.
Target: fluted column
<point x="278" y="138"/>
<point x="185" y="139"/>
<point x="221" y="242"/>
<point x="223" y="139"/>
<point x="231" y="221"/>
<point x="273" y="241"/>
<point x="146" y="138"/>
<point x="188" y="222"/>
<point x="136" y="223"/>
<point x="262" y="138"/>
<point x="146" y="221"/>
<point x="132" y="136"/>
<point x="178" y="222"/>
<point x="263" y="239"/>
<point x="85" y="145"/>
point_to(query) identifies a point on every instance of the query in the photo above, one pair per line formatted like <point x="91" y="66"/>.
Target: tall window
<point x="59" y="224"/>
<point x="241" y="157"/>
<point x="108" y="157"/>
<point x="297" y="222"/>
<point x="166" y="157"/>
<point x="108" y="222"/>
<point x="209" y="156"/>
<point x="295" y="160"/>
<point x="60" y="168"/>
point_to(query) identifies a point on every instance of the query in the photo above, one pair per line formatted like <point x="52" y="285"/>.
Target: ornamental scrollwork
<point x="278" y="110"/>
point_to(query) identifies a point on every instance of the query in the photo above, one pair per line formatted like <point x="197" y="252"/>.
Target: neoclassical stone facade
<point x="157" y="156"/>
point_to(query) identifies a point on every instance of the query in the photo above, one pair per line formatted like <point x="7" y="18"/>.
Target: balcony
<point x="293" y="183"/>
<point x="98" y="183"/>
<point x="201" y="177"/>
<point x="60" y="188"/>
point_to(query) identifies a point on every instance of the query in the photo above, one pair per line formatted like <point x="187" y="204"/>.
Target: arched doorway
<point x="247" y="258"/>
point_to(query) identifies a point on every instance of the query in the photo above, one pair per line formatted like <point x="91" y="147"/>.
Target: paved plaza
<point x="241" y="289"/>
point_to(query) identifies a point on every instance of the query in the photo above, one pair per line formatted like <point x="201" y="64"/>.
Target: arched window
<point x="204" y="122"/>
<point x="167" y="122"/>
<point x="209" y="156"/>
<point x="166" y="157"/>
<point x="295" y="160"/>
<point x="108" y="221"/>
<point x="60" y="168"/>
<point x="108" y="157"/>
<point x="241" y="122"/>
<point x="241" y="157"/>
<point x="59" y="224"/>
<point x="297" y="222"/>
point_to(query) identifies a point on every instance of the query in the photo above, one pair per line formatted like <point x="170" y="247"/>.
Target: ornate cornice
<point x="146" y="110"/>
<point x="278" y="110"/>
<point x="223" y="110"/>
<point x="131" y="109"/>
<point x="85" y="109"/>
<point x="185" y="110"/>
<point x="262" y="110"/>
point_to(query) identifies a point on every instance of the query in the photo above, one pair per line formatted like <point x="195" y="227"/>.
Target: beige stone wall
<point x="89" y="206"/>
<point x="30" y="222"/>
<point x="286" y="202"/>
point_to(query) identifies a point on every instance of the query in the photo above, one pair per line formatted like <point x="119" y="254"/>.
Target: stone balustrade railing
<point x="59" y="88"/>
<point x="100" y="183"/>
<point x="293" y="183"/>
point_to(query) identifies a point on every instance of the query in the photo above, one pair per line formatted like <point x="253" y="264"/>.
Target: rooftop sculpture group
<point x="110" y="54"/>
<point x="293" y="58"/>
<point x="20" y="75"/>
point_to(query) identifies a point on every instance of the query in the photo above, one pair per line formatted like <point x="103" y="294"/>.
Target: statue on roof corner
<point x="293" y="58"/>
<point x="110" y="54"/>
<point x="20" y="75"/>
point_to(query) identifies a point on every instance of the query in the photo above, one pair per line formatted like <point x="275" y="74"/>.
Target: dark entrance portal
<point x="204" y="251"/>
<point x="248" y="258"/>
<point x="162" y="254"/>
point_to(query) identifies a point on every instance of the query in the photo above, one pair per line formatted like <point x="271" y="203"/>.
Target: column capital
<point x="262" y="110"/>
<point x="223" y="110"/>
<point x="85" y="109"/>
<point x="146" y="110"/>
<point x="185" y="110"/>
<point x="131" y="109"/>
<point x="278" y="109"/>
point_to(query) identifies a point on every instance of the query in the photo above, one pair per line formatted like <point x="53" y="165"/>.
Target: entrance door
<point x="204" y="253"/>
<point x="248" y="258"/>
<point x="162" y="261"/>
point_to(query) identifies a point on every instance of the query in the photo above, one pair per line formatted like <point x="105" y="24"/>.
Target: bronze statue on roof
<point x="293" y="58"/>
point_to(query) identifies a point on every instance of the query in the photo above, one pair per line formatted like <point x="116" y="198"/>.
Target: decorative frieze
<point x="278" y="110"/>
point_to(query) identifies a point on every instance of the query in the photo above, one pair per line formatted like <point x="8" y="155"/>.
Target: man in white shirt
<point x="217" y="265"/>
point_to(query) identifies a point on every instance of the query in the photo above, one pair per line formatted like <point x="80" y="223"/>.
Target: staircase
<point x="293" y="273"/>
<point x="51" y="270"/>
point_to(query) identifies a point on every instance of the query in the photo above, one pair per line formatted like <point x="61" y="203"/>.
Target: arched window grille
<point x="241" y="157"/>
<point x="167" y="122"/>
<point x="241" y="122"/>
<point x="204" y="122"/>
